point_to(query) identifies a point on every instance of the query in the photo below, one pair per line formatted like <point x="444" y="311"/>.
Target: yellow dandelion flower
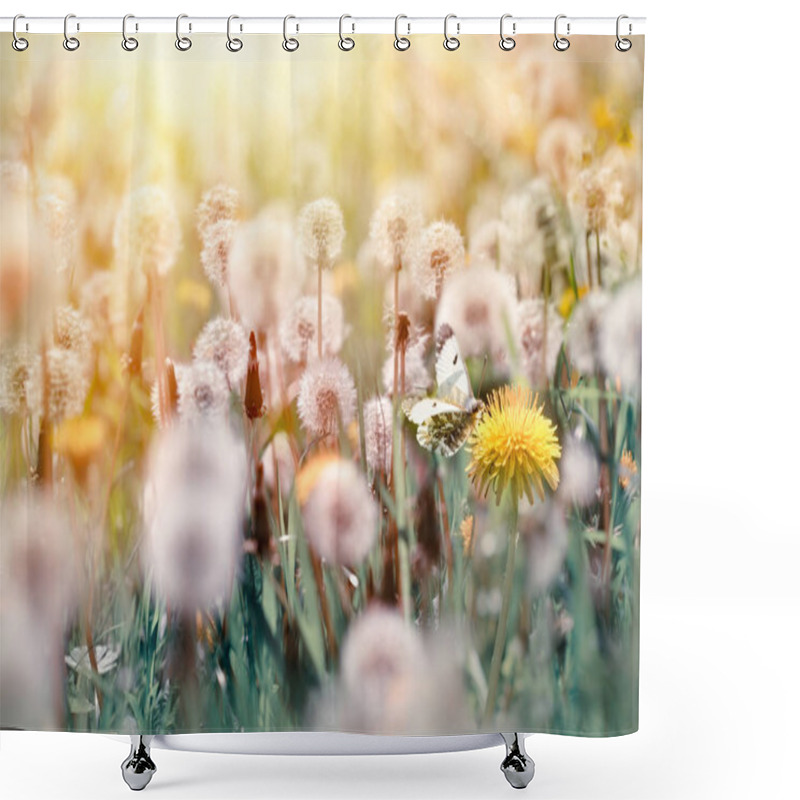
<point x="514" y="444"/>
<point x="627" y="469"/>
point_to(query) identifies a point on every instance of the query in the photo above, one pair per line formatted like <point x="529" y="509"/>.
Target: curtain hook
<point x="451" y="42"/>
<point x="506" y="42"/>
<point x="18" y="43"/>
<point x="183" y="43"/>
<point x="345" y="42"/>
<point x="289" y="44"/>
<point x="400" y="42"/>
<point x="623" y="45"/>
<point x="561" y="44"/>
<point x="129" y="43"/>
<point x="70" y="43"/>
<point x="233" y="44"/>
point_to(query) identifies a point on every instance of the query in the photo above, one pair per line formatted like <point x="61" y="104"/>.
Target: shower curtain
<point x="320" y="385"/>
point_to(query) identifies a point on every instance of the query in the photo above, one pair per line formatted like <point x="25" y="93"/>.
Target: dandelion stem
<point x="319" y="309"/>
<point x="588" y="261"/>
<point x="324" y="606"/>
<point x="597" y="250"/>
<point x="448" y="542"/>
<point x="502" y="624"/>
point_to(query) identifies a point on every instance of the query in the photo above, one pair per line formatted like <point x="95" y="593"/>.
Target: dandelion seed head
<point x="479" y="304"/>
<point x="540" y="334"/>
<point x="327" y="398"/>
<point x="262" y="269"/>
<point x="218" y="204"/>
<point x="95" y="300"/>
<point x="596" y="195"/>
<point x="580" y="472"/>
<point x="484" y="247"/>
<point x="147" y="232"/>
<point x="583" y="331"/>
<point x="620" y="337"/>
<point x="320" y="227"/>
<point x="57" y="214"/>
<point x="543" y="528"/>
<point x="514" y="445"/>
<point x="73" y="332"/>
<point x="382" y="671"/>
<point x="378" y="434"/>
<point x="559" y="153"/>
<point x="340" y="516"/>
<point x="203" y="393"/>
<point x="298" y="329"/>
<point x="193" y="514"/>
<point x="16" y="366"/>
<point x="215" y="254"/>
<point x="68" y="384"/>
<point x="393" y="230"/>
<point x="438" y="254"/>
<point x="224" y="342"/>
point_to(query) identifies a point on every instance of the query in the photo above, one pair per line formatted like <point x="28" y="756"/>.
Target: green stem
<point x="502" y="623"/>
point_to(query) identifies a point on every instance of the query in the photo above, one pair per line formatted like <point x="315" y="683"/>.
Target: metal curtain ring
<point x="561" y="44"/>
<point x="506" y="42"/>
<point x="18" y="43"/>
<point x="70" y="43"/>
<point x="128" y="42"/>
<point x="289" y="44"/>
<point x="451" y="42"/>
<point x="183" y="43"/>
<point x="233" y="44"/>
<point x="345" y="42"/>
<point x="400" y="42"/>
<point x="623" y="45"/>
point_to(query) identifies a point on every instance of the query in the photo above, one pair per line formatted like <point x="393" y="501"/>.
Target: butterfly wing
<point x="446" y="433"/>
<point x="452" y="378"/>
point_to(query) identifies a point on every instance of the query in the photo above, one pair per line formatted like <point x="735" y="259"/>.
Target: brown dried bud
<point x="134" y="363"/>
<point x="171" y="389"/>
<point x="253" y="399"/>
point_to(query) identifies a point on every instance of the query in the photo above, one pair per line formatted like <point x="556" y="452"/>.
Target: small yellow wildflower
<point x="568" y="300"/>
<point x="515" y="445"/>
<point x="81" y="440"/>
<point x="627" y="469"/>
<point x="467" y="530"/>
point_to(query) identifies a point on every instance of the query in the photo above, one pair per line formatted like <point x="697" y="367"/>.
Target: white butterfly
<point x="446" y="420"/>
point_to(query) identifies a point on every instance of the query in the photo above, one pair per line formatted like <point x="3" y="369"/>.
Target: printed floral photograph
<point x="320" y="386"/>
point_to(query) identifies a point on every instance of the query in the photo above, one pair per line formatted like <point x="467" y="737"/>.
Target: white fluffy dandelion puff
<point x="580" y="472"/>
<point x="73" y="332"/>
<point x="544" y="529"/>
<point x="147" y="233"/>
<point x="621" y="336"/>
<point x="340" y="516"/>
<point x="438" y="254"/>
<point x="203" y="393"/>
<point x="194" y="504"/>
<point x="215" y="255"/>
<point x="327" y="397"/>
<point x="479" y="304"/>
<point x="68" y="384"/>
<point x="378" y="434"/>
<point x="218" y="204"/>
<point x="16" y="367"/>
<point x="393" y="229"/>
<point x="58" y="215"/>
<point x="320" y="227"/>
<point x="583" y="331"/>
<point x="225" y="343"/>
<point x="262" y="269"/>
<point x="539" y="328"/>
<point x="298" y="329"/>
